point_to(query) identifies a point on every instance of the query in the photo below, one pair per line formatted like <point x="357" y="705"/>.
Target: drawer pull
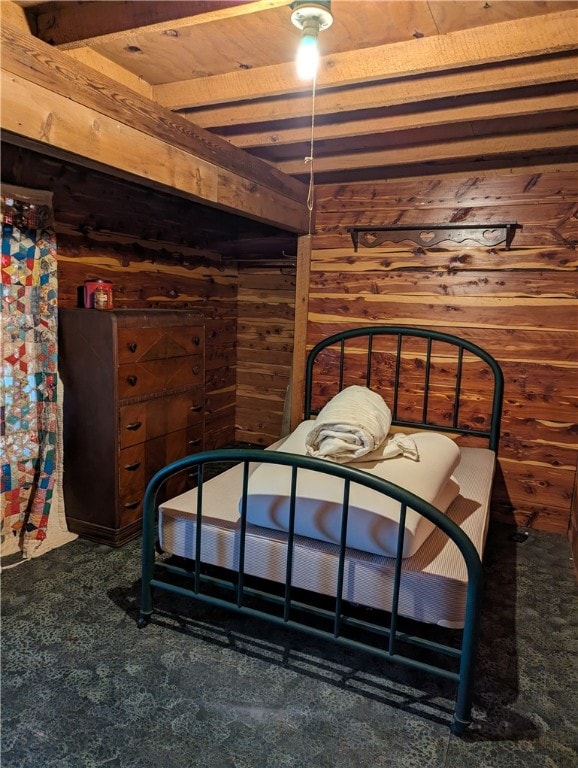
<point x="196" y="341"/>
<point x="132" y="467"/>
<point x="196" y="408"/>
<point x="132" y="345"/>
<point x="197" y="441"/>
<point x="132" y="380"/>
<point x="132" y="504"/>
<point x="196" y="369"/>
<point x="134" y="426"/>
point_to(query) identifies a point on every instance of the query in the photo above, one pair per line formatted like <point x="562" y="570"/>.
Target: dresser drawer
<point x="143" y="344"/>
<point x="131" y="470"/>
<point x="194" y="440"/>
<point x="186" y="341"/>
<point x="156" y="376"/>
<point x="130" y="505"/>
<point x="185" y="372"/>
<point x="182" y="410"/>
<point x="132" y="424"/>
<point x="136" y="344"/>
<point x="129" y="512"/>
<point x="139" y="379"/>
<point x="162" y="451"/>
<point x="152" y="418"/>
<point x="196" y="407"/>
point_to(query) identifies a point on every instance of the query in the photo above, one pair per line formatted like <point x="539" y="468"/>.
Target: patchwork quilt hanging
<point x="31" y="410"/>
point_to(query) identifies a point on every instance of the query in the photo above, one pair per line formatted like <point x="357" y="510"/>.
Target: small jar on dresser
<point x="133" y="402"/>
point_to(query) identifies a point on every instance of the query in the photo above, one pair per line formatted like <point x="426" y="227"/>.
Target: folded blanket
<point x="395" y="445"/>
<point x="352" y="424"/>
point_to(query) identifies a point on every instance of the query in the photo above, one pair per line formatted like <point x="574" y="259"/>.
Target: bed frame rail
<point x="387" y="641"/>
<point x="491" y="370"/>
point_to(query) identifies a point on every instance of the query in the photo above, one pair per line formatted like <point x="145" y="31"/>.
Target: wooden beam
<point x="509" y="40"/>
<point x="386" y="124"/>
<point x="109" y="68"/>
<point x="94" y="98"/>
<point x="517" y="74"/>
<point x="494" y="145"/>
<point x="33" y="60"/>
<point x="51" y="123"/>
<point x="547" y="183"/>
<point x="15" y="15"/>
<point x="75" y="25"/>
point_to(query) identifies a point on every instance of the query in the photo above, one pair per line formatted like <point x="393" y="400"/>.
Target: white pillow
<point x="373" y="517"/>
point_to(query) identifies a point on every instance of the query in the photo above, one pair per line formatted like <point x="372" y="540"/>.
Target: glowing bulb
<point x="307" y="57"/>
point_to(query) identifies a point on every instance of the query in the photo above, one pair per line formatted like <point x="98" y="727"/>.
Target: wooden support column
<point x="300" y="333"/>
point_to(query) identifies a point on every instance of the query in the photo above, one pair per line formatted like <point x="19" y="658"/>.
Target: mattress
<point x="433" y="584"/>
<point x="373" y="520"/>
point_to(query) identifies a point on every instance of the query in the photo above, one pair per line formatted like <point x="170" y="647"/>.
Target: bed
<point x="338" y="531"/>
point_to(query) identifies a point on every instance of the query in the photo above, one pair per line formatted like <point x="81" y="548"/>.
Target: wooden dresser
<point x="133" y="402"/>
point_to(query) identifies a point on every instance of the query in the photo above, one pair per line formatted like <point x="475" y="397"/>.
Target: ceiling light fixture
<point x="312" y="18"/>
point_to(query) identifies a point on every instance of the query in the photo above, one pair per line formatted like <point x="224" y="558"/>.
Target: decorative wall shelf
<point x="428" y="235"/>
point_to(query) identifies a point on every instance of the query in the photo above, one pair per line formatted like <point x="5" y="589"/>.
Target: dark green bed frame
<point x="338" y="623"/>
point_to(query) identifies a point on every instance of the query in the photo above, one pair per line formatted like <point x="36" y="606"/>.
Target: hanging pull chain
<point x="309" y="159"/>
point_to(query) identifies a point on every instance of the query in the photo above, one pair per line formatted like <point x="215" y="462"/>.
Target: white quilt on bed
<point x="373" y="518"/>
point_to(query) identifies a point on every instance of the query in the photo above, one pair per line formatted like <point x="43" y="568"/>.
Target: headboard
<point x="429" y="379"/>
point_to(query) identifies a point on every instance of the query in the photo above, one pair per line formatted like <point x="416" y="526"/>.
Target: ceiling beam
<point x="37" y="62"/>
<point x="506" y="41"/>
<point x="56" y="104"/>
<point x="75" y="25"/>
<point x="58" y="127"/>
<point x="14" y="14"/>
<point x="109" y="68"/>
<point x="549" y="180"/>
<point x="513" y="107"/>
<point x="518" y="74"/>
<point x="464" y="148"/>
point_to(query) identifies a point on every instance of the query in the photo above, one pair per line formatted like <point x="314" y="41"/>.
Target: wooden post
<point x="300" y="333"/>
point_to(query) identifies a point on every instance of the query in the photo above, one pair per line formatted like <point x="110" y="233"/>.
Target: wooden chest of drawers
<point x="133" y="402"/>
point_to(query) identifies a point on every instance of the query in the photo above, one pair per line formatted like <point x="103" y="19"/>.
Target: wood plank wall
<point x="142" y="278"/>
<point x="137" y="238"/>
<point x="266" y="307"/>
<point x="519" y="304"/>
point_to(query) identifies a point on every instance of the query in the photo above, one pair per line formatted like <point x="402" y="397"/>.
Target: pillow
<point x="373" y="517"/>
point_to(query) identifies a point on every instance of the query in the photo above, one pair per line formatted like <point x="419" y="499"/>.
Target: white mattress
<point x="434" y="580"/>
<point x="373" y="520"/>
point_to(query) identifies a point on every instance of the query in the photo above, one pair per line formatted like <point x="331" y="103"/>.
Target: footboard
<point x="335" y="618"/>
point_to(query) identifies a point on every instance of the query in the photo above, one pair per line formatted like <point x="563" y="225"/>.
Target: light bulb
<point x="307" y="57"/>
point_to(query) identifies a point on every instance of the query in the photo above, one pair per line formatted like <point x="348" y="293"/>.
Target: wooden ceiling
<point x="404" y="88"/>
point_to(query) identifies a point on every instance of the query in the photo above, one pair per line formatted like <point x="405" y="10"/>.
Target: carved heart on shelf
<point x="492" y="234"/>
<point x="370" y="237"/>
<point x="427" y="237"/>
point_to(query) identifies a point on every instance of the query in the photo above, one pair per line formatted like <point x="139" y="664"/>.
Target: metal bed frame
<point x="237" y="593"/>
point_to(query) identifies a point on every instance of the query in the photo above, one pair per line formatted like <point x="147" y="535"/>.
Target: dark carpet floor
<point x="82" y="687"/>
